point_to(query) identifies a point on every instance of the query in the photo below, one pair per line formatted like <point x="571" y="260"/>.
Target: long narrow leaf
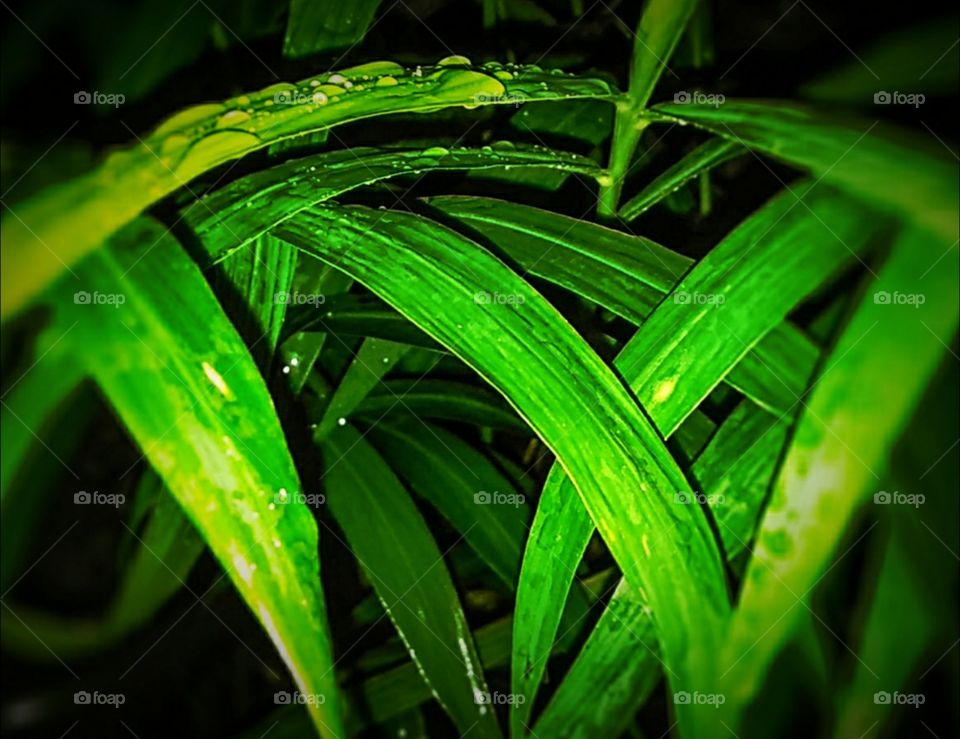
<point x="51" y="232"/>
<point x="863" y="397"/>
<point x="616" y="460"/>
<point x="887" y="169"/>
<point x="405" y="567"/>
<point x="186" y="388"/>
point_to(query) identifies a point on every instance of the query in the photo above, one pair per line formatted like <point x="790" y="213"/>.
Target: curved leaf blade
<point x="53" y="230"/>
<point x="432" y="275"/>
<point x="889" y="171"/>
<point x="397" y="551"/>
<point x="211" y="434"/>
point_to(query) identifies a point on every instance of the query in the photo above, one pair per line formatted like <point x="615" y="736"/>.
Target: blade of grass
<point x="886" y="167"/>
<point x="187" y="390"/>
<point x="863" y="397"/>
<point x="49" y="233"/>
<point x="440" y="399"/>
<point x="229" y="218"/>
<point x="463" y="485"/>
<point x="400" y="557"/>
<point x="626" y="274"/>
<point x="705" y="157"/>
<point x="318" y="26"/>
<point x="761" y="286"/>
<point x="620" y="662"/>
<point x="738" y="293"/>
<point x="661" y="26"/>
<point x="373" y="360"/>
<point x="615" y="452"/>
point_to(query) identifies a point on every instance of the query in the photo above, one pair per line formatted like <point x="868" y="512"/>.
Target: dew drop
<point x="455" y="60"/>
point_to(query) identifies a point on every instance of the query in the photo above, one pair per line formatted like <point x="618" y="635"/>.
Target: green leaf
<point x="463" y="485"/>
<point x="627" y="274"/>
<point x="900" y="609"/>
<point x="777" y="369"/>
<point x="50" y="232"/>
<point x="738" y="293"/>
<point x="888" y="169"/>
<point x="33" y="400"/>
<point x="558" y="539"/>
<point x="861" y="401"/>
<point x="301" y="351"/>
<point x="919" y="58"/>
<point x="705" y="157"/>
<point x="616" y="460"/>
<point x="582" y="120"/>
<point x="358" y="315"/>
<point x="371" y="362"/>
<point x="403" y="563"/>
<point x="440" y="399"/>
<point x="620" y="662"/>
<point x="231" y="217"/>
<point x="187" y="390"/>
<point x="760" y="271"/>
<point x="661" y="26"/>
<point x="318" y="26"/>
<point x="254" y="285"/>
